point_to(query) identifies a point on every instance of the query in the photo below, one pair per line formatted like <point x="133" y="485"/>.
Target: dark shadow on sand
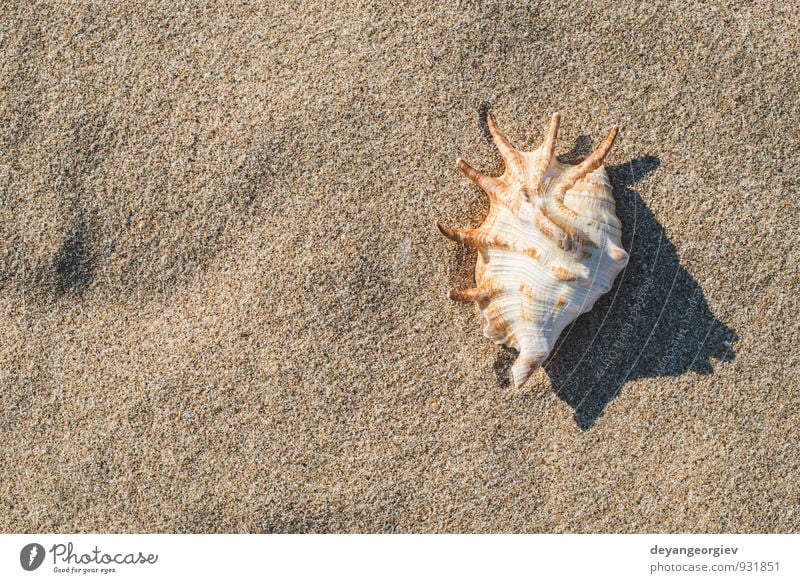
<point x="72" y="269"/>
<point x="655" y="321"/>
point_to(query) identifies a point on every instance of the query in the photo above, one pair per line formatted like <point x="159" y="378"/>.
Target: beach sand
<point x="224" y="305"/>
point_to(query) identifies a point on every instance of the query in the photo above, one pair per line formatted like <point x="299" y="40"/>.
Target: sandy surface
<point x="224" y="300"/>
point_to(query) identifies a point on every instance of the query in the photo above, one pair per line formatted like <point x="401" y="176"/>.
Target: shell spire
<point x="549" y="247"/>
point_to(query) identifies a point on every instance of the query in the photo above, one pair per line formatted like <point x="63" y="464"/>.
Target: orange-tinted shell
<point x="548" y="249"/>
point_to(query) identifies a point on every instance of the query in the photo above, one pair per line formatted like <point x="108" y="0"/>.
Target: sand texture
<point x="223" y="297"/>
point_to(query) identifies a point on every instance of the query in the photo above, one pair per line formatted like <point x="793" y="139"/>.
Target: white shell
<point x="548" y="249"/>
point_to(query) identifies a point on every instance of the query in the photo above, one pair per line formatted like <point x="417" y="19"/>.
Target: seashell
<point x="549" y="247"/>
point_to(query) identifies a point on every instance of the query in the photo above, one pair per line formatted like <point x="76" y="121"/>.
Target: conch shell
<point x="549" y="247"/>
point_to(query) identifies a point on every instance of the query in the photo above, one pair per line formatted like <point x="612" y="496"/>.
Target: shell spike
<point x="574" y="174"/>
<point x="488" y="184"/>
<point x="507" y="151"/>
<point x="526" y="364"/>
<point x="595" y="159"/>
<point x="549" y="143"/>
<point x="481" y="293"/>
<point x="448" y="232"/>
<point x="470" y="237"/>
<point x="547" y="150"/>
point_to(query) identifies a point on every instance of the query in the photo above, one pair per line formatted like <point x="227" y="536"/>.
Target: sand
<point x="223" y="301"/>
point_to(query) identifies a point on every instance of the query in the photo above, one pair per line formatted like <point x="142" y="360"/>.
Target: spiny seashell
<point x="549" y="247"/>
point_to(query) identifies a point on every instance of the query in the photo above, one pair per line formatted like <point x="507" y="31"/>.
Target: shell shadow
<point x="655" y="321"/>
